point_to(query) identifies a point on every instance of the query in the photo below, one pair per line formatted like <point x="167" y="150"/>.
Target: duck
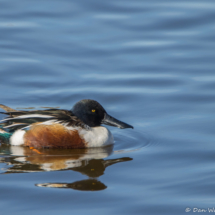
<point x="80" y="127"/>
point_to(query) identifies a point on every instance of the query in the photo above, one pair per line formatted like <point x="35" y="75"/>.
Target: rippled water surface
<point x="150" y="64"/>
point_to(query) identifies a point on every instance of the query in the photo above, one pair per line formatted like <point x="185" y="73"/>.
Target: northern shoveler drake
<point x="79" y="127"/>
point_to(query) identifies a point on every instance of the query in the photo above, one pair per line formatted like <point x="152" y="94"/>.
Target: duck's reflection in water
<point x="89" y="162"/>
<point x="84" y="185"/>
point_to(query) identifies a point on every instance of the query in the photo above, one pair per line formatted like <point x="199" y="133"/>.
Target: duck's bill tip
<point x="109" y="120"/>
<point x="130" y="126"/>
<point x="126" y="126"/>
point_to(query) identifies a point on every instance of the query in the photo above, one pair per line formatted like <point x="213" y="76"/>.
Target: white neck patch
<point x="97" y="136"/>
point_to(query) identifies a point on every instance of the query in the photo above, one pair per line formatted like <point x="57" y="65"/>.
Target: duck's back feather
<point x="24" y="119"/>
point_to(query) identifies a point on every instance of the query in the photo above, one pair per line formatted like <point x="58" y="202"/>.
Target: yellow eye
<point x="93" y="110"/>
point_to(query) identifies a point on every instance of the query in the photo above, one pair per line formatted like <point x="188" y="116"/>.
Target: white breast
<point x="97" y="136"/>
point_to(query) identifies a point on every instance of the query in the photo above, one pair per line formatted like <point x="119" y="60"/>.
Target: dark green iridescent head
<point x="93" y="114"/>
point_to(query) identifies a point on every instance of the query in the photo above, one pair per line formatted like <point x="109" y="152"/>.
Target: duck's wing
<point x="24" y="119"/>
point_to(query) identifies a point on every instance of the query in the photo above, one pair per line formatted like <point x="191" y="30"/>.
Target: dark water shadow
<point x="90" y="162"/>
<point x="83" y="185"/>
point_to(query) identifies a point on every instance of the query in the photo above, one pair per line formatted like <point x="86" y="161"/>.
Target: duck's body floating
<point x="57" y="128"/>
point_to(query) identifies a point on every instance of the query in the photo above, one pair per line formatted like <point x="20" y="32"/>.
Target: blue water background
<point x="150" y="64"/>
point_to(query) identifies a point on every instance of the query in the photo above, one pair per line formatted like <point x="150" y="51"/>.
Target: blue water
<point x="150" y="64"/>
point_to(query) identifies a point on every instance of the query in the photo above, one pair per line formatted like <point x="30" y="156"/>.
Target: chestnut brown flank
<point x="53" y="136"/>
